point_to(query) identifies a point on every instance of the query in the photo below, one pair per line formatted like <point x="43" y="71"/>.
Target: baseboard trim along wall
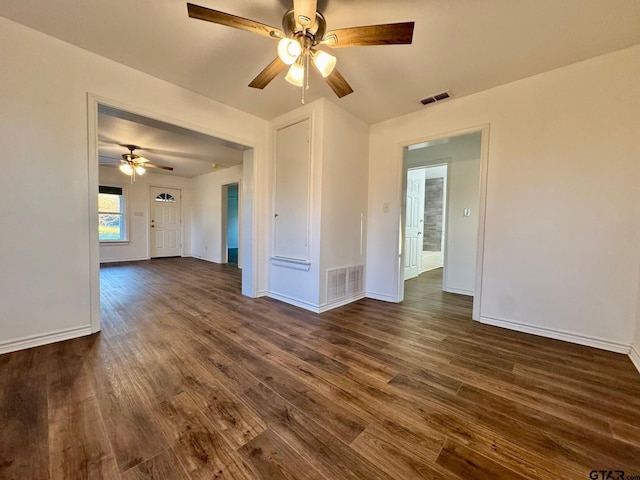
<point x="295" y="302"/>
<point x="380" y="296"/>
<point x="116" y="260"/>
<point x="459" y="291"/>
<point x="339" y="303"/>
<point x="558" y="335"/>
<point x="44" y="339"/>
<point x="634" y="355"/>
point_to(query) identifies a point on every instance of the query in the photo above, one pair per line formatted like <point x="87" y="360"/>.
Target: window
<point x="111" y="221"/>
<point x="165" y="197"/>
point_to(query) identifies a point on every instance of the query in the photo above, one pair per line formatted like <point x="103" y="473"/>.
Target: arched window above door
<point x="165" y="197"/>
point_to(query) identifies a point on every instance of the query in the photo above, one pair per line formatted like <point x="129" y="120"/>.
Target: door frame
<point x="251" y="169"/>
<point x="149" y="187"/>
<point x="484" y="169"/>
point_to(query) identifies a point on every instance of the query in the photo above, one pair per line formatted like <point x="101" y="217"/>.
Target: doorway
<point x="233" y="230"/>
<point x="449" y="213"/>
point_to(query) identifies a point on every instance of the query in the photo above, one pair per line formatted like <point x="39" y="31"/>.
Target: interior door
<point x="413" y="223"/>
<point x="165" y="222"/>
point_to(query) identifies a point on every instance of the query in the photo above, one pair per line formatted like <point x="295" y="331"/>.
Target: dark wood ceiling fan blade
<point x="385" y="34"/>
<point x="338" y="84"/>
<point x="147" y="164"/>
<point x="270" y="72"/>
<point x="222" y="18"/>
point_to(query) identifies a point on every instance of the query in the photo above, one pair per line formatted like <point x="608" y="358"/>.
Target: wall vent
<point x="436" y="98"/>
<point x="344" y="282"/>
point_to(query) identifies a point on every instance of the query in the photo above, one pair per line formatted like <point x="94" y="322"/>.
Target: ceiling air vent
<point x="436" y="98"/>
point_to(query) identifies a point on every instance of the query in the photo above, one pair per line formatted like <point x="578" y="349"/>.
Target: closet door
<point x="291" y="191"/>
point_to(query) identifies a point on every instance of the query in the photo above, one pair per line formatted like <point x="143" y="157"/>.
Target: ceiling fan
<point x="303" y="31"/>
<point x="133" y="164"/>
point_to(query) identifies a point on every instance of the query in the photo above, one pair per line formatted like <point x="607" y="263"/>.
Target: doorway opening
<point x="443" y="212"/>
<point x="231" y="209"/>
<point x="164" y="209"/>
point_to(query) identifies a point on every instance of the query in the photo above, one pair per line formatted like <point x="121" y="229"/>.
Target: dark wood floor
<point x="189" y="379"/>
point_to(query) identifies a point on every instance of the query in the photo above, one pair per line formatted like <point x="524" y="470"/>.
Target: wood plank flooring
<point x="190" y="380"/>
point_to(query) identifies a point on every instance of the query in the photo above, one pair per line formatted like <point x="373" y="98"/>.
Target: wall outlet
<point x="466" y="212"/>
<point x="385" y="207"/>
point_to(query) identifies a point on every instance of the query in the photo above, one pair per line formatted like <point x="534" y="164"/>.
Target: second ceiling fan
<point x="303" y="31"/>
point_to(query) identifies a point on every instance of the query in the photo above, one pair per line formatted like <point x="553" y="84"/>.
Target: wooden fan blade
<point x="386" y="34"/>
<point x="147" y="164"/>
<point x="270" y="72"/>
<point x="221" y="18"/>
<point x="338" y="84"/>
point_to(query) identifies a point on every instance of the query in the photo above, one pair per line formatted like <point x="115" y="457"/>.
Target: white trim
<point x="43" y="339"/>
<point x="339" y="303"/>
<point x="311" y="306"/>
<point x="294" y="301"/>
<point x="381" y="296"/>
<point x="94" y="240"/>
<point x="634" y="355"/>
<point x="484" y="169"/>
<point x="130" y="259"/>
<point x="294" y="263"/>
<point x="459" y="291"/>
<point x="557" y="334"/>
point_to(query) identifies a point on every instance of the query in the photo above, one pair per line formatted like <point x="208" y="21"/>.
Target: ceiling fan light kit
<point x="132" y="164"/>
<point x="289" y="50"/>
<point x="303" y="29"/>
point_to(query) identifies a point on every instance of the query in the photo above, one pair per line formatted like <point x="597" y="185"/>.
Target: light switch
<point x="385" y="207"/>
<point x="138" y="214"/>
<point x="466" y="212"/>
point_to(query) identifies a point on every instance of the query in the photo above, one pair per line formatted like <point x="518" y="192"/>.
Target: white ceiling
<point x="462" y="45"/>
<point x="189" y="153"/>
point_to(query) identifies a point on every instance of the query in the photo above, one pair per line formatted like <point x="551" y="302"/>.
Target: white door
<point x="413" y="223"/>
<point x="165" y="222"/>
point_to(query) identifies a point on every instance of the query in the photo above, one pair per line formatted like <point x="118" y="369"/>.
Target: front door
<point x="414" y="223"/>
<point x="166" y="222"/>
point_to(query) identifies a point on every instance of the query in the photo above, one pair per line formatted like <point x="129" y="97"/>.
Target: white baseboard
<point x="339" y="303"/>
<point x="380" y="296"/>
<point x="313" y="307"/>
<point x="460" y="291"/>
<point x="634" y="355"/>
<point x="571" y="337"/>
<point x="132" y="259"/>
<point x="295" y="301"/>
<point x="207" y="259"/>
<point x="430" y="268"/>
<point x="43" y="339"/>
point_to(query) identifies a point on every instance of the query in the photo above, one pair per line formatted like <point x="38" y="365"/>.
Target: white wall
<point x="344" y="192"/>
<point x="463" y="181"/>
<point x="338" y="185"/>
<point x="207" y="219"/>
<point x="137" y="202"/>
<point x="562" y="234"/>
<point x="45" y="291"/>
